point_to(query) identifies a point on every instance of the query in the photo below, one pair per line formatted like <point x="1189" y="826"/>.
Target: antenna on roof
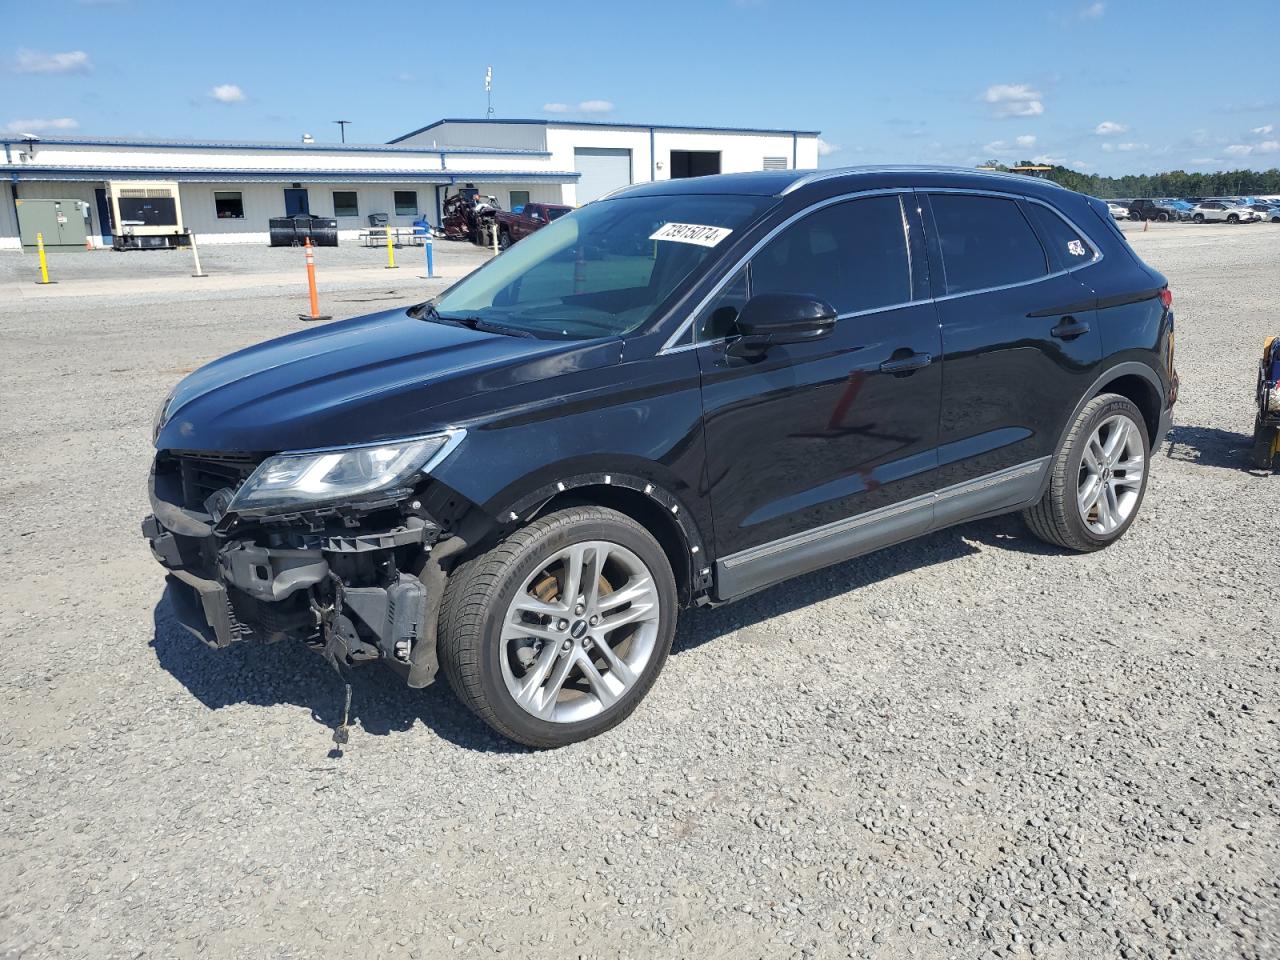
<point x="488" y="92"/>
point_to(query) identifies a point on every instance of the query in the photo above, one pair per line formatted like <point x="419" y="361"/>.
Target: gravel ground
<point x="966" y="746"/>
<point x="73" y="263"/>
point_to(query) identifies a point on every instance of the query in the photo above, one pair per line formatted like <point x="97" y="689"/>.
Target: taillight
<point x="1166" y="297"/>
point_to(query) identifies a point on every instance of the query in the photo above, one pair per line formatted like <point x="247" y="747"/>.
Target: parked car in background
<point x="1118" y="210"/>
<point x="1221" y="211"/>
<point x="1265" y="211"/>
<point x="517" y="224"/>
<point x="670" y="398"/>
<point x="1149" y="209"/>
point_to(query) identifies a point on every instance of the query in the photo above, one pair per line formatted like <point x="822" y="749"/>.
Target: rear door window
<point x="1064" y="244"/>
<point x="986" y="242"/>
<point x="853" y="255"/>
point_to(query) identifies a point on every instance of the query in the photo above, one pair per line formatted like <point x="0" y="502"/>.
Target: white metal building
<point x="228" y="191"/>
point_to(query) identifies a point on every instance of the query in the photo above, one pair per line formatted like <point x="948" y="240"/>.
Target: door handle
<point x="906" y="364"/>
<point x="1068" y="328"/>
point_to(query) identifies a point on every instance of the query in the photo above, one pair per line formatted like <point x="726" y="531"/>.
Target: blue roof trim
<point x="302" y="147"/>
<point x="16" y="172"/>
<point x="608" y="123"/>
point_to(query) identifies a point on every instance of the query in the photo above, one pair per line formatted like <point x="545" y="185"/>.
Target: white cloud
<point x="41" y="126"/>
<point x="1201" y="161"/>
<point x="1014" y="100"/>
<point x="1263" y="130"/>
<point x="227" y="93"/>
<point x="826" y="149"/>
<point x="1047" y="160"/>
<point x="1026" y="142"/>
<point x="1130" y="147"/>
<point x="1082" y="165"/>
<point x="1093" y="11"/>
<point x="585" y="106"/>
<point x="1109" y="128"/>
<point x="34" y="61"/>
<point x="1254" y="149"/>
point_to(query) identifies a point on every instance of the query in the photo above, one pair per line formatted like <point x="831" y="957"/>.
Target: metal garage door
<point x="603" y="170"/>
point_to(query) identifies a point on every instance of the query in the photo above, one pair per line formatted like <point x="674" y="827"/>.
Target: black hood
<point x="372" y="378"/>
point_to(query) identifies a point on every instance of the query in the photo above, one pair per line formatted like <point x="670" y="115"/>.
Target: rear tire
<point x="1198" y="218"/>
<point x="525" y="641"/>
<point x="1095" y="491"/>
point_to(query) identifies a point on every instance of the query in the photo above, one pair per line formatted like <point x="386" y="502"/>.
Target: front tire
<point x="558" y="632"/>
<point x="1097" y="479"/>
<point x="504" y="240"/>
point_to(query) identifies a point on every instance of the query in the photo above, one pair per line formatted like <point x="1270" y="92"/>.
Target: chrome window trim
<point x="1098" y="255"/>
<point x="668" y="346"/>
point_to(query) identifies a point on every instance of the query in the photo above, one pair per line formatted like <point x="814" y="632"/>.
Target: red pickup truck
<point x="513" y="226"/>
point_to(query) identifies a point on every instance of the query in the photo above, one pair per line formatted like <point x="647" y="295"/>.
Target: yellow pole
<point x="391" y="253"/>
<point x="44" y="264"/>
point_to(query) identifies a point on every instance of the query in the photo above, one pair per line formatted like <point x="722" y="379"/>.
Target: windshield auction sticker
<point x="691" y="233"/>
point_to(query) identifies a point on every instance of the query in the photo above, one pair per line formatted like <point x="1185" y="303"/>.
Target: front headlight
<point x="313" y="477"/>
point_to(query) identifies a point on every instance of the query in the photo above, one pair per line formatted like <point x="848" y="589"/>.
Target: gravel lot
<point x="967" y="746"/>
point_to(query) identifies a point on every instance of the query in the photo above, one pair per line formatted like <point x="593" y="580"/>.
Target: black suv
<point x="671" y="398"/>
<point x="1154" y="210"/>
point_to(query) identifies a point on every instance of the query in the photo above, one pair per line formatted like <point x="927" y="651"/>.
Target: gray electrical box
<point x="63" y="222"/>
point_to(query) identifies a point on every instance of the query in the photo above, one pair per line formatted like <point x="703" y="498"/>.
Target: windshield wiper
<point x="429" y="311"/>
<point x="488" y="326"/>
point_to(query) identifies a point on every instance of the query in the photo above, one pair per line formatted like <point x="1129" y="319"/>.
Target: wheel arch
<point x="651" y="504"/>
<point x="1135" y="381"/>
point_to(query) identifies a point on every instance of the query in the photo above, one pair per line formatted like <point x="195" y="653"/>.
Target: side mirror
<point x="769" y="319"/>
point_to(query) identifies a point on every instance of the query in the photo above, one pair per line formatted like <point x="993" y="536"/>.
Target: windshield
<point x="603" y="270"/>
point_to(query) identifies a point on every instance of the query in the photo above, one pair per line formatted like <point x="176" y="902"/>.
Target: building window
<point x="518" y="199"/>
<point x="228" y="204"/>
<point x="775" y="163"/>
<point x="406" y="203"/>
<point x="344" y="204"/>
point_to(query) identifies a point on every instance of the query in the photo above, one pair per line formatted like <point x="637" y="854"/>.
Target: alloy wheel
<point x="1111" y="475"/>
<point x="579" y="632"/>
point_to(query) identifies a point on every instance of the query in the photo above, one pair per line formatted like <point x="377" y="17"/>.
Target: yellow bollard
<point x="391" y="253"/>
<point x="44" y="264"/>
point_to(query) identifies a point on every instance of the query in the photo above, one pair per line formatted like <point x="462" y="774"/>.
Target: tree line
<point x="1174" y="183"/>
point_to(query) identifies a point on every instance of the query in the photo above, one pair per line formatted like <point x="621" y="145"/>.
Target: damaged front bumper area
<point x="356" y="582"/>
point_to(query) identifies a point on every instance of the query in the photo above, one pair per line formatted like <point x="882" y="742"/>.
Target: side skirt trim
<point x="757" y="567"/>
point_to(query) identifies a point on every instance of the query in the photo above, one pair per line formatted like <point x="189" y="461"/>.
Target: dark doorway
<point x="105" y="226"/>
<point x="296" y="203"/>
<point x="694" y="163"/>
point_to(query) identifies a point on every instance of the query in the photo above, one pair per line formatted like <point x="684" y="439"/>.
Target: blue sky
<point x="1107" y="86"/>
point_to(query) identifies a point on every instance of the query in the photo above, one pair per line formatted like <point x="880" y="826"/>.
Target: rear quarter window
<point x="1066" y="247"/>
<point x="985" y="242"/>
